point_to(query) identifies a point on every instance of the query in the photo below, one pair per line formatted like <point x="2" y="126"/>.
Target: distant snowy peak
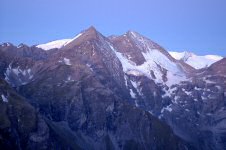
<point x="53" y="44"/>
<point x="182" y="56"/>
<point x="57" y="44"/>
<point x="196" y="61"/>
<point x="6" y="44"/>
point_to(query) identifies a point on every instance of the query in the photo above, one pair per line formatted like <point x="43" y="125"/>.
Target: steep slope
<point x="218" y="67"/>
<point x="200" y="102"/>
<point x="20" y="125"/>
<point x="196" y="61"/>
<point x="141" y="56"/>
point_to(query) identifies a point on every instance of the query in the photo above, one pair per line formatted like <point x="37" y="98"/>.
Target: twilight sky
<point x="194" y="25"/>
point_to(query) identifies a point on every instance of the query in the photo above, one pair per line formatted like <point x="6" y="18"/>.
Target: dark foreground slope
<point x="91" y="123"/>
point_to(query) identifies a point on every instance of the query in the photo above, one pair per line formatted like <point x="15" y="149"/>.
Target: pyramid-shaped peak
<point x="88" y="34"/>
<point x="90" y="30"/>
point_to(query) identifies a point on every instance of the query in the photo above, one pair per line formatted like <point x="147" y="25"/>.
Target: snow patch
<point x="4" y="99"/>
<point x="67" y="61"/>
<point x="176" y="98"/>
<point x="169" y="92"/>
<point x="168" y="108"/>
<point x="203" y="98"/>
<point x="89" y="66"/>
<point x="218" y="87"/>
<point x="136" y="86"/>
<point x="132" y="94"/>
<point x="209" y="81"/>
<point x="186" y="92"/>
<point x="134" y="72"/>
<point x="20" y="45"/>
<point x="198" y="89"/>
<point x="69" y="79"/>
<point x="126" y="82"/>
<point x="17" y="76"/>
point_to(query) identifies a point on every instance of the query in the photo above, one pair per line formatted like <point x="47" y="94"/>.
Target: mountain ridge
<point x="196" y="61"/>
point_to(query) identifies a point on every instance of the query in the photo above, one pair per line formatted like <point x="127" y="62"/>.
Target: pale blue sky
<point x="195" y="25"/>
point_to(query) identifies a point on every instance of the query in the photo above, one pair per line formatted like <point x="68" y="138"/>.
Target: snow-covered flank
<point x="196" y="61"/>
<point x="4" y="99"/>
<point x="57" y="44"/>
<point x="155" y="62"/>
<point x="154" y="59"/>
<point x="53" y="44"/>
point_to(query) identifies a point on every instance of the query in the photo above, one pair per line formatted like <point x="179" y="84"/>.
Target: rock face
<point x="121" y="92"/>
<point x="21" y="127"/>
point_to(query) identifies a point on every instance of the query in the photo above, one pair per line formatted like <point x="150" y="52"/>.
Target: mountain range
<point x="117" y="92"/>
<point x="197" y="62"/>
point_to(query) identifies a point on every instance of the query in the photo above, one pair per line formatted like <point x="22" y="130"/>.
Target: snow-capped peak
<point x="196" y="61"/>
<point x="58" y="43"/>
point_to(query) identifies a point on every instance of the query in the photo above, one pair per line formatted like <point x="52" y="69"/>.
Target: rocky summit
<point x="123" y="92"/>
